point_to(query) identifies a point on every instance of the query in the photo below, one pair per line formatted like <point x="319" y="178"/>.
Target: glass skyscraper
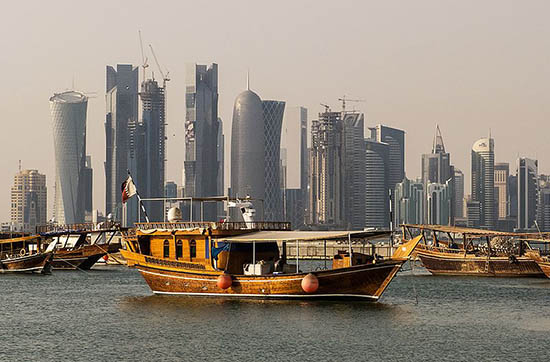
<point x="483" y="182"/>
<point x="68" y="112"/>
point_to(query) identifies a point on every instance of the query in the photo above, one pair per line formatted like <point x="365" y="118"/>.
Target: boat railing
<point x="440" y="249"/>
<point x="238" y="225"/>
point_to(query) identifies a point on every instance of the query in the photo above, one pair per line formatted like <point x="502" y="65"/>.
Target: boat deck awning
<point x="263" y="236"/>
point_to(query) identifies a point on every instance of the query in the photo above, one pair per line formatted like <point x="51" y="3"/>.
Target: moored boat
<point x="248" y="260"/>
<point x="24" y="254"/>
<point x="448" y="250"/>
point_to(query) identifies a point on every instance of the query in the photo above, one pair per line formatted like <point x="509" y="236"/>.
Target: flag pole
<point x="142" y="207"/>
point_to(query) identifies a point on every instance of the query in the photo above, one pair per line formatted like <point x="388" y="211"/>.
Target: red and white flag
<point x="128" y="189"/>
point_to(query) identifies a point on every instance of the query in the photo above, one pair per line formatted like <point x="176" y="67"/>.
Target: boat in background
<point x="24" y="254"/>
<point x="80" y="246"/>
<point x="249" y="260"/>
<point x="449" y="250"/>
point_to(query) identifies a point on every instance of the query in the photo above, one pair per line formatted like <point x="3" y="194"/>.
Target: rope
<point x="413" y="284"/>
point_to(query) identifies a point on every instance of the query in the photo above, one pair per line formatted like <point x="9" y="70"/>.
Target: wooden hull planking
<point x="81" y="258"/>
<point x="449" y="264"/>
<point x="35" y="263"/>
<point x="365" y="282"/>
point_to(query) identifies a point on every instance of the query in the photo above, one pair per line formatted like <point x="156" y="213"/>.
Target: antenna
<point x="19" y="165"/>
<point x="248" y="79"/>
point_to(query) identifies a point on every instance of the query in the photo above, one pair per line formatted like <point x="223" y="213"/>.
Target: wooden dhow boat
<point x="249" y="260"/>
<point x="24" y="254"/>
<point x="80" y="246"/>
<point x="449" y="250"/>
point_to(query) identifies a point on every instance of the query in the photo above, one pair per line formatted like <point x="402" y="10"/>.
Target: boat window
<point x="179" y="249"/>
<point x="166" y="249"/>
<point x="192" y="249"/>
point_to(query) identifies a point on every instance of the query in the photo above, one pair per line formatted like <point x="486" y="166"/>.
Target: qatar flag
<point x="128" y="189"/>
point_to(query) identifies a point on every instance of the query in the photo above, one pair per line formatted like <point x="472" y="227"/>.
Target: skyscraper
<point x="502" y="172"/>
<point x="248" y="149"/>
<point x="409" y="202"/>
<point x="326" y="171"/>
<point x="439" y="202"/>
<point x="354" y="170"/>
<point x="459" y="193"/>
<point x="203" y="133"/>
<point x="68" y="111"/>
<point x="527" y="173"/>
<point x="294" y="140"/>
<point x="377" y="184"/>
<point x="543" y="209"/>
<point x="28" y="200"/>
<point x="122" y="111"/>
<point x="395" y="138"/>
<point x="436" y="168"/>
<point x="273" y="119"/>
<point x="483" y="181"/>
<point x="88" y="179"/>
<point x="148" y="148"/>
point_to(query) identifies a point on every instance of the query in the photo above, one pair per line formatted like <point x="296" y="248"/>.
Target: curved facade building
<point x="68" y="112"/>
<point x="248" y="149"/>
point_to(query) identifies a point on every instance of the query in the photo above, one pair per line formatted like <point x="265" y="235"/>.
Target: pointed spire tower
<point x="438" y="146"/>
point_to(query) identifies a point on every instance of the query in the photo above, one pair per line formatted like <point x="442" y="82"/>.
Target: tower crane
<point x="344" y="100"/>
<point x="327" y="107"/>
<point x="165" y="77"/>
<point x="143" y="57"/>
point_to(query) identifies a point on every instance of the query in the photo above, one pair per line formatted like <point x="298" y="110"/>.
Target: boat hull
<point x="35" y="263"/>
<point x="81" y="258"/>
<point x="361" y="282"/>
<point x="479" y="266"/>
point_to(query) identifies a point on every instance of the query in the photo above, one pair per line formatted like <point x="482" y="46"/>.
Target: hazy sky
<point x="469" y="66"/>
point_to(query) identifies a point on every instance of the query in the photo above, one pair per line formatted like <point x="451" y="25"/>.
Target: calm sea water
<point x="109" y="314"/>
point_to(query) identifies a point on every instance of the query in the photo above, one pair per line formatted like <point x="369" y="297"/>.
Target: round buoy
<point x="22" y="252"/>
<point x="106" y="257"/>
<point x="310" y="283"/>
<point x="224" y="281"/>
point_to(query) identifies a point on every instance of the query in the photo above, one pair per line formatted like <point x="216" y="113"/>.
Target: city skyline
<point x="467" y="98"/>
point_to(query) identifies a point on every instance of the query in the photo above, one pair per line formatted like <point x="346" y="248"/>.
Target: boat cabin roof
<point x="476" y="232"/>
<point x="20" y="239"/>
<point x="284" y="235"/>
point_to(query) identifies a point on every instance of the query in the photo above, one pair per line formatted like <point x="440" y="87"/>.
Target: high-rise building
<point x="354" y="170"/>
<point x="409" y="202"/>
<point x="68" y="111"/>
<point x="203" y="134"/>
<point x="459" y="193"/>
<point x="148" y="149"/>
<point x="502" y="172"/>
<point x="88" y="179"/>
<point x="28" y="200"/>
<point x="543" y="209"/>
<point x="273" y="112"/>
<point x="220" y="184"/>
<point x="527" y="174"/>
<point x="121" y="115"/>
<point x="377" y="186"/>
<point x="325" y="195"/>
<point x="294" y="140"/>
<point x="436" y="168"/>
<point x="473" y="213"/>
<point x="439" y="203"/>
<point x="170" y="191"/>
<point x="483" y="180"/>
<point x="395" y="138"/>
<point x="248" y="150"/>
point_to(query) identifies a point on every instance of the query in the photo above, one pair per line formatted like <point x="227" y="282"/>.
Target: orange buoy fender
<point x="106" y="257"/>
<point x="224" y="281"/>
<point x="310" y="283"/>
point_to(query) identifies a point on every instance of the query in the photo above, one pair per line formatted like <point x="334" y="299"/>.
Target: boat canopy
<point x="476" y="232"/>
<point x="283" y="235"/>
<point x="18" y="240"/>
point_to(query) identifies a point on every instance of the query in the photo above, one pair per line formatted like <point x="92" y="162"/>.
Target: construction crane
<point x="165" y="77"/>
<point x="327" y="107"/>
<point x="344" y="100"/>
<point x="143" y="57"/>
